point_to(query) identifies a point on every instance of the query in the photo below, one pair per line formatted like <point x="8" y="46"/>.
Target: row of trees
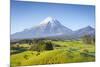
<point x="27" y="41"/>
<point x="88" y="39"/>
<point x="36" y="45"/>
<point x="42" y="44"/>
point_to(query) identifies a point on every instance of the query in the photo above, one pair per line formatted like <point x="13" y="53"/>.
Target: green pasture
<point x="64" y="52"/>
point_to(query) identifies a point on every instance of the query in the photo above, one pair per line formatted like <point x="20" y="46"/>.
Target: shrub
<point x="38" y="53"/>
<point x="56" y="45"/>
<point x="26" y="57"/>
<point x="88" y="39"/>
<point x="34" y="47"/>
<point x="18" y="63"/>
<point x="41" y="46"/>
<point x="49" y="46"/>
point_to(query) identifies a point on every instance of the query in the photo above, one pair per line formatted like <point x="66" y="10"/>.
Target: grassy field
<point x="64" y="52"/>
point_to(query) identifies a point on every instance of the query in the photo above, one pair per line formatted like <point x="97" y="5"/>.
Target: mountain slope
<point x="52" y="29"/>
<point x="85" y="31"/>
<point x="48" y="27"/>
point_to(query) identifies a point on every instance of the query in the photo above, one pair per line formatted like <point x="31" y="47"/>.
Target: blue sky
<point x="29" y="14"/>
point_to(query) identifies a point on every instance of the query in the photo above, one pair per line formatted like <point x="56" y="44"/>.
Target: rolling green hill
<point x="64" y="52"/>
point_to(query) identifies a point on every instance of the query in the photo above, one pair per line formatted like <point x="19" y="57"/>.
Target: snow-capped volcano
<point x="48" y="27"/>
<point x="48" y="20"/>
<point x="52" y="28"/>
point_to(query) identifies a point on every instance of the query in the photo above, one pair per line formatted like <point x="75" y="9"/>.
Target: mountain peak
<point x="89" y="27"/>
<point x="48" y="20"/>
